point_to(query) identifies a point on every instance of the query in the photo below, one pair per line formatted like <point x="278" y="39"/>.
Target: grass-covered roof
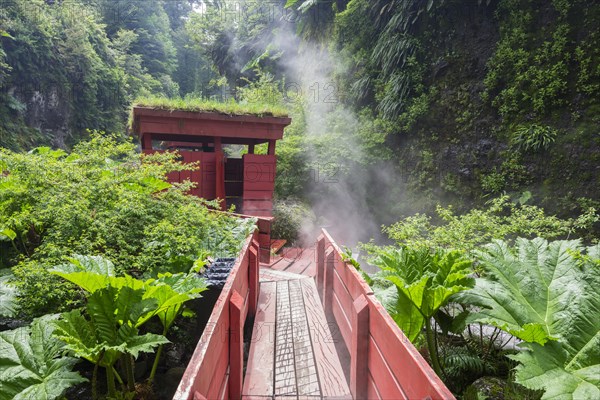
<point x="202" y="105"/>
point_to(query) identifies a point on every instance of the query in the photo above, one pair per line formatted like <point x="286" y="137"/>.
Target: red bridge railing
<point x="384" y="364"/>
<point x="216" y="368"/>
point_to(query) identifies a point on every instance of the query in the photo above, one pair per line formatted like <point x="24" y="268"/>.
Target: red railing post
<point x="328" y="281"/>
<point x="320" y="264"/>
<point x="360" y="348"/>
<point x="220" y="176"/>
<point x="253" y="278"/>
<point x="236" y="345"/>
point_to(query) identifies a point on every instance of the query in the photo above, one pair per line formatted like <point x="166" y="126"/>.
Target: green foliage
<point x="412" y="65"/>
<point x="502" y="219"/>
<point x="116" y="308"/>
<point x="235" y="38"/>
<point x="32" y="364"/>
<point x="194" y="104"/>
<point x="587" y="55"/>
<point x="544" y="294"/>
<point x="303" y="7"/>
<point x="292" y="219"/>
<point x="103" y="199"/>
<point x="323" y="150"/>
<point x="494" y="182"/>
<point x="512" y="175"/>
<point x="537" y="276"/>
<point x="8" y="297"/>
<point x="462" y="363"/>
<point x="424" y="282"/>
<point x="171" y="292"/>
<point x="70" y="66"/>
<point x="109" y="330"/>
<point x="61" y="63"/>
<point x="529" y="72"/>
<point x="394" y="92"/>
<point x="348" y="258"/>
<point x="533" y="137"/>
<point x="293" y="169"/>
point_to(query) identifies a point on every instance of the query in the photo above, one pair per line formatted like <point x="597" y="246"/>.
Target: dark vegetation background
<point x="450" y="102"/>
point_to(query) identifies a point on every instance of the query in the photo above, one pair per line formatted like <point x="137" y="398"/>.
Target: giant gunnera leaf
<point x="423" y="282"/>
<point x="547" y="295"/>
<point x="31" y="365"/>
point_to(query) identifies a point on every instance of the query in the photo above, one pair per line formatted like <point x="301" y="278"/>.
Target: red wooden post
<point x="251" y="148"/>
<point x="147" y="142"/>
<point x="271" y="148"/>
<point x="320" y="264"/>
<point x="253" y="271"/>
<point x="360" y="348"/>
<point x="220" y="174"/>
<point x="236" y="344"/>
<point x="328" y="280"/>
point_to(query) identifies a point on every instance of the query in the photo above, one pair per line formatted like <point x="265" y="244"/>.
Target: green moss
<point x="203" y="105"/>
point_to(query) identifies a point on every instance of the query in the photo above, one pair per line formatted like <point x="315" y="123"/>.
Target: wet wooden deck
<point x="318" y="332"/>
<point x="292" y="353"/>
<point x="302" y="261"/>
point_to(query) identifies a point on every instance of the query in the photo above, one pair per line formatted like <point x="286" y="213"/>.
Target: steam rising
<point x="349" y="197"/>
<point x="342" y="192"/>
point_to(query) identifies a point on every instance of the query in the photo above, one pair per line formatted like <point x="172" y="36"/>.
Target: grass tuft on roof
<point x="230" y="107"/>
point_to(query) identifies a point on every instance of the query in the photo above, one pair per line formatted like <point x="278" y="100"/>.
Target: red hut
<point x="247" y="182"/>
<point x="199" y="136"/>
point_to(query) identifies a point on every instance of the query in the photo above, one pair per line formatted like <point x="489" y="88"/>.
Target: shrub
<point x="102" y="199"/>
<point x="502" y="219"/>
<point x="293" y="219"/>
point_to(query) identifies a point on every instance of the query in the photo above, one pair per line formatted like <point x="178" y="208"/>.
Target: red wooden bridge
<point x="317" y="329"/>
<point x="318" y="332"/>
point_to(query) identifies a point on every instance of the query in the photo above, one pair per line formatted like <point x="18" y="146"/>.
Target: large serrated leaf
<point x="130" y="305"/>
<point x="145" y="343"/>
<point x="545" y="294"/>
<point x="95" y="264"/>
<point x="168" y="302"/>
<point x="79" y="335"/>
<point x="424" y="282"/>
<point x="8" y="298"/>
<point x="88" y="281"/>
<point x="528" y="290"/>
<point x="402" y="311"/>
<point x="30" y="363"/>
<point x="101" y="309"/>
<point x="183" y="283"/>
<point x="543" y="368"/>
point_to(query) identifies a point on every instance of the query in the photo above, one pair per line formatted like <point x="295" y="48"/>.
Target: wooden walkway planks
<point x="296" y="358"/>
<point x="284" y="368"/>
<point x="259" y="371"/>
<point x="272" y="275"/>
<point x="307" y="381"/>
<point x="331" y="376"/>
<point x="296" y="260"/>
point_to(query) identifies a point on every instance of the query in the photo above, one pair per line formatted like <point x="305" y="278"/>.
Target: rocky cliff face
<point x="48" y="113"/>
<point x="507" y="110"/>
